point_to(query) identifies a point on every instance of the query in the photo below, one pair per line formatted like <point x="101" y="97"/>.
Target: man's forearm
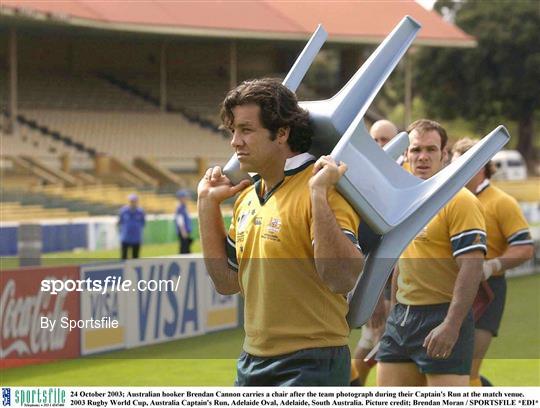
<point x="465" y="289"/>
<point x="515" y="255"/>
<point x="213" y="236"/>
<point x="337" y="260"/>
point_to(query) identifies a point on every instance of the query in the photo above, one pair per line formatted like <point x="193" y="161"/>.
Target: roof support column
<point x="233" y="65"/>
<point x="163" y="78"/>
<point x="12" y="120"/>
<point x="407" y="112"/>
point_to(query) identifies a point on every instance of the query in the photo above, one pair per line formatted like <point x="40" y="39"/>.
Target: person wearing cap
<point x="183" y="222"/>
<point x="131" y="220"/>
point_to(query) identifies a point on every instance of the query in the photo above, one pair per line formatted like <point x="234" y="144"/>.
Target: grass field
<point x="514" y="358"/>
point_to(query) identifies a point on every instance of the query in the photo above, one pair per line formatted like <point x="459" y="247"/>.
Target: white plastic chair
<point x="332" y="117"/>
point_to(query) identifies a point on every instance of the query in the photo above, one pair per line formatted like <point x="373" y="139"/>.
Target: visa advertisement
<point x="172" y="312"/>
<point x="129" y="304"/>
<point x="108" y="306"/>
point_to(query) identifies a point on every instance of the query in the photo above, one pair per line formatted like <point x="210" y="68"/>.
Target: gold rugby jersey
<point x="270" y="243"/>
<point x="505" y="223"/>
<point x="427" y="268"/>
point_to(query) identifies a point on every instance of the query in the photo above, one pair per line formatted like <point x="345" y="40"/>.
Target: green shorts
<point x="404" y="336"/>
<point x="324" y="366"/>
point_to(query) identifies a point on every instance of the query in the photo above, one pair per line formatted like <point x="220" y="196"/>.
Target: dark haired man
<point x="509" y="244"/>
<point x="291" y="249"/>
<point x="429" y="334"/>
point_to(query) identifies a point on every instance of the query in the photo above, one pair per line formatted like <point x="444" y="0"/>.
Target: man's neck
<point x="275" y="172"/>
<point x="479" y="187"/>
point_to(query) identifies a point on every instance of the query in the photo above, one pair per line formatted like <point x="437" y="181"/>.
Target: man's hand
<point x="441" y="340"/>
<point x="326" y="173"/>
<point x="491" y="266"/>
<point x="217" y="187"/>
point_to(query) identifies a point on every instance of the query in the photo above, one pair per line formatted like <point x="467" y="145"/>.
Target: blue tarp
<point x="58" y="238"/>
<point x="8" y="241"/>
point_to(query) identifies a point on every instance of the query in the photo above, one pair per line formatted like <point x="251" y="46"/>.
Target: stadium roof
<point x="346" y="21"/>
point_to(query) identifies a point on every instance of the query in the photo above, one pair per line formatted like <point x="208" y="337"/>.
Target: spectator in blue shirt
<point x="131" y="220"/>
<point x="183" y="222"/>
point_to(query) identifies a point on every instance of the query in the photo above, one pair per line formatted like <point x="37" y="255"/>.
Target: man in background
<point x="383" y="131"/>
<point x="429" y="334"/>
<point x="509" y="244"/>
<point x="183" y="222"/>
<point x="131" y="220"/>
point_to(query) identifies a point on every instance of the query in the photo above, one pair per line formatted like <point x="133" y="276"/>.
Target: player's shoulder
<point x="465" y="197"/>
<point x="302" y="173"/>
<point x="502" y="198"/>
<point x="245" y="193"/>
<point x="464" y="205"/>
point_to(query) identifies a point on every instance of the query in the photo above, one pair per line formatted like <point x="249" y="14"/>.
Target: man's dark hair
<point x="279" y="109"/>
<point x="426" y="125"/>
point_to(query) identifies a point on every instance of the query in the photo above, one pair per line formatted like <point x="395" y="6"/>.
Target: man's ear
<point x="283" y="134"/>
<point x="444" y="156"/>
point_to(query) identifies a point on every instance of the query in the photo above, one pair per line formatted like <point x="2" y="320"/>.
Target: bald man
<point x="382" y="132"/>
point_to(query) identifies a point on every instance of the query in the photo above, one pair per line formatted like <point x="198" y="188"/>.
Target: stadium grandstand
<point x="100" y="101"/>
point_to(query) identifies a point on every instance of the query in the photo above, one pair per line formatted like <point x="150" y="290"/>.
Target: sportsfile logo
<point x="40" y="397"/>
<point x="6" y="397"/>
